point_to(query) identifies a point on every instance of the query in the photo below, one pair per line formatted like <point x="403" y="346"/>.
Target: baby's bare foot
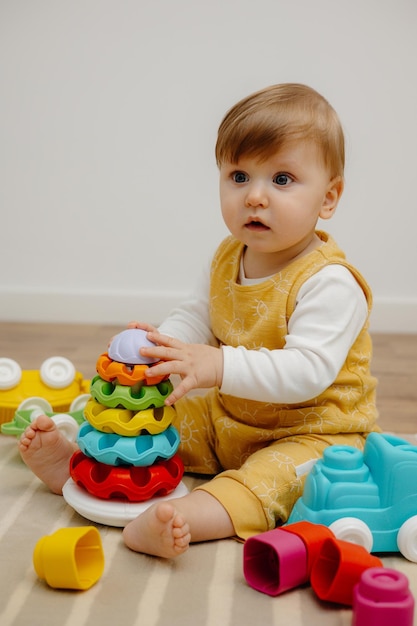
<point x="47" y="452"/>
<point x="161" y="531"/>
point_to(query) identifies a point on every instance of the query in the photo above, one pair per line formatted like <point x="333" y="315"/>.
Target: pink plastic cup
<point x="275" y="561"/>
<point x="382" y="598"/>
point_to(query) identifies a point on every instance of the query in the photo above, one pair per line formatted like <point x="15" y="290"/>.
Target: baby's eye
<point x="239" y="177"/>
<point x="282" y="179"/>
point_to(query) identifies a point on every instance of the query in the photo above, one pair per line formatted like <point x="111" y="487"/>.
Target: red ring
<point x="135" y="484"/>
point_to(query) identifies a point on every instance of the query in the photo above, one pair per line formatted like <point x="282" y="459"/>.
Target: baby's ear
<point x="332" y="197"/>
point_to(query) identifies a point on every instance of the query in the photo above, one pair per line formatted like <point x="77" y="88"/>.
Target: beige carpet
<point x="204" y="587"/>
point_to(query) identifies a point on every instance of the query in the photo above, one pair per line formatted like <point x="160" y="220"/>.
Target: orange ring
<point x="124" y="374"/>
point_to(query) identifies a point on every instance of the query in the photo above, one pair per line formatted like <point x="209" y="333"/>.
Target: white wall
<point x="108" y="117"/>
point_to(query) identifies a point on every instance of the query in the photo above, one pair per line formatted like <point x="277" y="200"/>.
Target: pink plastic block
<point x="382" y="598"/>
<point x="275" y="561"/>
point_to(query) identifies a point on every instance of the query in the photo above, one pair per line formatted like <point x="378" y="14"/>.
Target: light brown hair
<point x="262" y="123"/>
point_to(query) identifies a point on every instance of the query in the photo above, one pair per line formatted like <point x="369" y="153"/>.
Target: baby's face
<point x="272" y="206"/>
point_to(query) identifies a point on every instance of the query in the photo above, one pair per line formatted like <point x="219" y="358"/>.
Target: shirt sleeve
<point x="330" y="311"/>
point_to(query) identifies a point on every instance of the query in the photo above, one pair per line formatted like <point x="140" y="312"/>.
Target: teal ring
<point x="112" y="449"/>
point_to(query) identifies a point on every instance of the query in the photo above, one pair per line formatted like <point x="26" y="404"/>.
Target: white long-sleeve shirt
<point x="330" y="311"/>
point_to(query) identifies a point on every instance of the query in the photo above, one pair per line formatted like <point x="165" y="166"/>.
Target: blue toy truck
<point x="368" y="497"/>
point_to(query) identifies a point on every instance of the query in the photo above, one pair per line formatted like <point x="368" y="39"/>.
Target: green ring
<point x="135" y="398"/>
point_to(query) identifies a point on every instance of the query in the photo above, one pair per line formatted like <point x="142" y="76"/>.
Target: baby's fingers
<point x="142" y="326"/>
<point x="163" y="340"/>
<point x="179" y="392"/>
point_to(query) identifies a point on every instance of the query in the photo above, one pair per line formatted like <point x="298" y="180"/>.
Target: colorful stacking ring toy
<point x="125" y="374"/>
<point x="127" y="423"/>
<point x="136" y="398"/>
<point x="135" y="484"/>
<point x="118" y="450"/>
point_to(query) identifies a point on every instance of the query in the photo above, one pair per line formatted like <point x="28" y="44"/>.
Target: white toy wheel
<point x="67" y="425"/>
<point x="407" y="539"/>
<point x="79" y="402"/>
<point x="57" y="372"/>
<point x="40" y="405"/>
<point x="10" y="373"/>
<point x="354" y="530"/>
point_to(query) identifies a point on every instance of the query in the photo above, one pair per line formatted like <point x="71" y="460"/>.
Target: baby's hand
<point x="142" y="326"/>
<point x="198" y="365"/>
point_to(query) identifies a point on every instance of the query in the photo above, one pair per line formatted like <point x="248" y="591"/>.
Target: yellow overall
<point x="254" y="448"/>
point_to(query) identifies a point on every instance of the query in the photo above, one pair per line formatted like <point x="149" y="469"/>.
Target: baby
<point x="277" y="331"/>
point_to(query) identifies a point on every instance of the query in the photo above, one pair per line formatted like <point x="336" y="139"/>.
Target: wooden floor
<point x="394" y="362"/>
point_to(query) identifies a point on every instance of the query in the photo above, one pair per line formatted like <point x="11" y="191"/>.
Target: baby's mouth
<point x="256" y="225"/>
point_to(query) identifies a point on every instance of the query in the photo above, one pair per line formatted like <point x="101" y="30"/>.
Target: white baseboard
<point x="394" y="315"/>
<point x="87" y="308"/>
<point x="390" y="315"/>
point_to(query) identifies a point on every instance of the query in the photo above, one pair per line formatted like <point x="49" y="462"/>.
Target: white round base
<point x="110" y="512"/>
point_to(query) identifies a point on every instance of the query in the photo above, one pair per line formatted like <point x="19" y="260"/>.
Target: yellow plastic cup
<point x="70" y="558"/>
